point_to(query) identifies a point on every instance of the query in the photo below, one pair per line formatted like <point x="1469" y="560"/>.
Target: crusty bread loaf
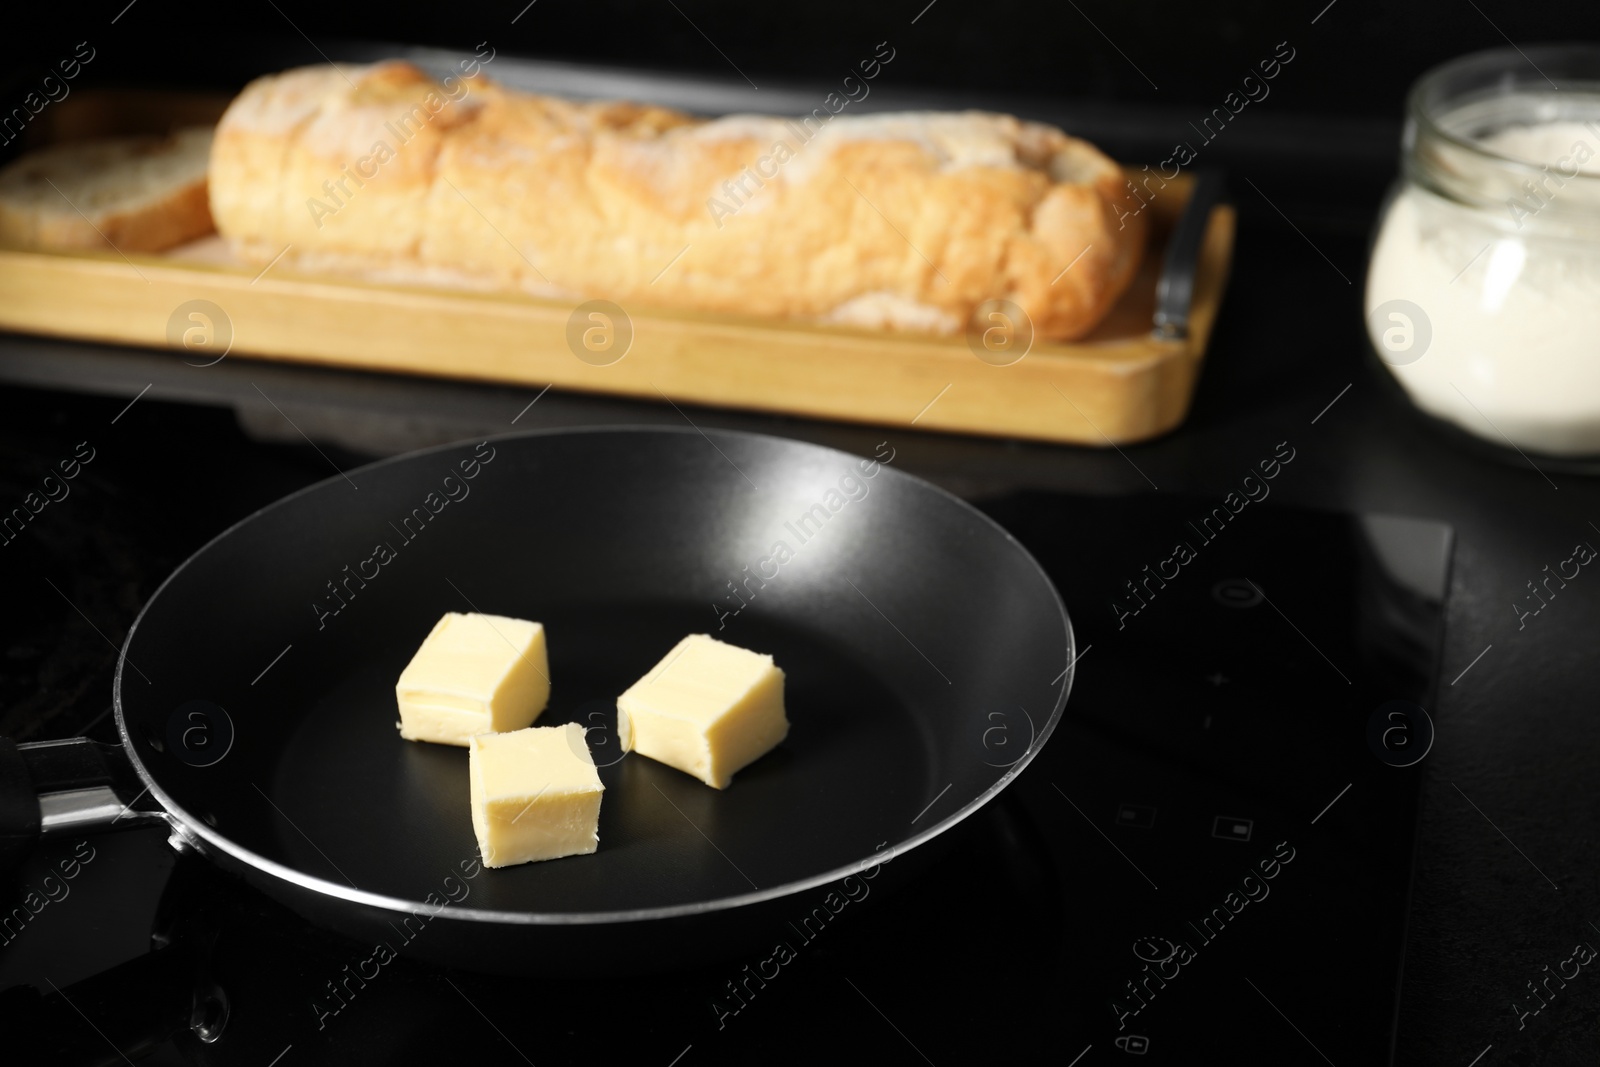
<point x="134" y="194"/>
<point x="908" y="221"/>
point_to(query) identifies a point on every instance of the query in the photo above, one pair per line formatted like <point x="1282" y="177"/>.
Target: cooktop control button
<point x="1138" y="816"/>
<point x="1229" y="828"/>
<point x="1236" y="593"/>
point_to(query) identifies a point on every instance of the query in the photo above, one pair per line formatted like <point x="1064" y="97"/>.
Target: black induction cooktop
<point x="1209" y="859"/>
<point x="1229" y="806"/>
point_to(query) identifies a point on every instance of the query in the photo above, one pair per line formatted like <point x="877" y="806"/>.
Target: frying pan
<point x="928" y="657"/>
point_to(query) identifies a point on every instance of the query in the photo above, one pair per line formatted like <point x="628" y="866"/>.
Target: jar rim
<point x="1502" y="61"/>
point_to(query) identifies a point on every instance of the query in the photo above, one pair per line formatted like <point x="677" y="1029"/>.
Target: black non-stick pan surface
<point x="926" y="656"/>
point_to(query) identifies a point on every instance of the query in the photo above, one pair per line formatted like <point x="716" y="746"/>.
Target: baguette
<point x="132" y="194"/>
<point x="907" y="221"/>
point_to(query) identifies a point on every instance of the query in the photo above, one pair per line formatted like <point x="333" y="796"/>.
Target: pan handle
<point x="20" y="818"/>
<point x="70" y="786"/>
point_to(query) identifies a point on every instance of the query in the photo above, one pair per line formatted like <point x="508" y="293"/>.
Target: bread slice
<point x="916" y="222"/>
<point x="133" y="194"/>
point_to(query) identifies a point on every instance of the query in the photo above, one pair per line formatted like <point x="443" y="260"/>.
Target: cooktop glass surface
<point x="1210" y="856"/>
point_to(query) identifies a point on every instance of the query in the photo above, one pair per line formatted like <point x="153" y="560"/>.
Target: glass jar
<point x="1483" y="291"/>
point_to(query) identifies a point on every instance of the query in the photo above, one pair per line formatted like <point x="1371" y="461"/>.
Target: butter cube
<point x="474" y="674"/>
<point x="708" y="708"/>
<point x="535" y="795"/>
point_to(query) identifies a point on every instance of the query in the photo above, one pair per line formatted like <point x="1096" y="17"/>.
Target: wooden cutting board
<point x="1119" y="385"/>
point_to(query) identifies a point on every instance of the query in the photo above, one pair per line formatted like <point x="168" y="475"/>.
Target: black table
<point x="1504" y="883"/>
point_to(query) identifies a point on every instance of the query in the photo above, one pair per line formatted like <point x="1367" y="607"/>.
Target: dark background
<point x="1356" y="60"/>
<point x="1130" y="76"/>
<point x="1505" y="881"/>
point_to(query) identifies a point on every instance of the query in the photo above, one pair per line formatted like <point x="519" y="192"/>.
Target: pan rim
<point x="194" y="827"/>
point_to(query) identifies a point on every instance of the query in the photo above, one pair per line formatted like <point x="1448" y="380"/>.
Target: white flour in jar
<point x="1511" y="296"/>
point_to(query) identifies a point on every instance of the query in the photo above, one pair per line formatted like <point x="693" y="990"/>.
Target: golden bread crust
<point x="903" y="221"/>
<point x="131" y="194"/>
